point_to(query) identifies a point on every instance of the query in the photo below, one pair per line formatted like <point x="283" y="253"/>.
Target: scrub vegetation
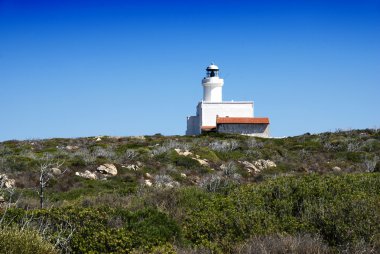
<point x="204" y="194"/>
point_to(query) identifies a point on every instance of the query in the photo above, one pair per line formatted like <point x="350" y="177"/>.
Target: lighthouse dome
<point x="212" y="66"/>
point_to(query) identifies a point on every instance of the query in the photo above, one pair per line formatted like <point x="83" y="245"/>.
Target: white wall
<point x="193" y="127"/>
<point x="212" y="89"/>
<point x="212" y="94"/>
<point x="209" y="111"/>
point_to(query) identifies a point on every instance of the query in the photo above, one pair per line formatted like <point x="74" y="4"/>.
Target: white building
<point x="214" y="114"/>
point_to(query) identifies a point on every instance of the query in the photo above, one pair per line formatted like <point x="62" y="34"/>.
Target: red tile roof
<point x="208" y="128"/>
<point x="240" y="120"/>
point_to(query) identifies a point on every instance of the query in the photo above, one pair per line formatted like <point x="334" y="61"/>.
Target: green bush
<point x="342" y="209"/>
<point x="183" y="161"/>
<point x="206" y="153"/>
<point x="354" y="156"/>
<point x="19" y="163"/>
<point x="16" y="241"/>
<point x="77" y="162"/>
<point x="103" y="229"/>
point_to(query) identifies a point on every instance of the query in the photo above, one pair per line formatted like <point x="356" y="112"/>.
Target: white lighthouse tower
<point x="214" y="114"/>
<point x="212" y="84"/>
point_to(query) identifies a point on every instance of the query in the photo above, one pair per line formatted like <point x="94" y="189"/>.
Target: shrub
<point x="16" y="241"/>
<point x="206" y="153"/>
<point x="170" y="145"/>
<point x="103" y="229"/>
<point x="342" y="209"/>
<point x="254" y="143"/>
<point x="19" y="163"/>
<point x="164" y="181"/>
<point x="77" y="162"/>
<point x="85" y="154"/>
<point x="278" y="244"/>
<point x="224" y="146"/>
<point x="184" y="161"/>
<point x="212" y="183"/>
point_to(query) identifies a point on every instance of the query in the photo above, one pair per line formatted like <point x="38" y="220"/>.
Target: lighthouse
<point x="212" y="84"/>
<point x="216" y="115"/>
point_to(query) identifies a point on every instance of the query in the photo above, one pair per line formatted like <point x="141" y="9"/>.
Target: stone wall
<point x="260" y="130"/>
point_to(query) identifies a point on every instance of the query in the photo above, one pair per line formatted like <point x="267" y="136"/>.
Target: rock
<point x="184" y="153"/>
<point x="336" y="169"/>
<point x="98" y="139"/>
<point x="248" y="166"/>
<point x="11" y="183"/>
<point x="258" y="166"/>
<point x="187" y="153"/>
<point x="6" y="182"/>
<point x="70" y="148"/>
<point x="87" y="174"/>
<point x="264" y="164"/>
<point x="2" y="200"/>
<point x="148" y="182"/>
<point x="133" y="167"/>
<point x="107" y="169"/>
<point x="203" y="162"/>
<point x="56" y="171"/>
<point x="148" y="175"/>
<point x="183" y="175"/>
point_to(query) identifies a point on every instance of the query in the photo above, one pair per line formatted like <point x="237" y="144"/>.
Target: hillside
<point x="210" y="193"/>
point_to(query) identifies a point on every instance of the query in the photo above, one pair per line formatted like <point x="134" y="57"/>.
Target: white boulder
<point x="6" y="182"/>
<point x="184" y="153"/>
<point x="258" y="166"/>
<point x="336" y="169"/>
<point x="148" y="182"/>
<point x="249" y="167"/>
<point x="87" y="174"/>
<point x="107" y="169"/>
<point x="264" y="164"/>
<point x="203" y="162"/>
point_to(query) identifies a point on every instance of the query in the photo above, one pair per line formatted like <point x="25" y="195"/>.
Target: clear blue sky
<point x="85" y="68"/>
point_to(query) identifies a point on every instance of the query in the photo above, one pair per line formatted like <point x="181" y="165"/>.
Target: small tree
<point x="46" y="173"/>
